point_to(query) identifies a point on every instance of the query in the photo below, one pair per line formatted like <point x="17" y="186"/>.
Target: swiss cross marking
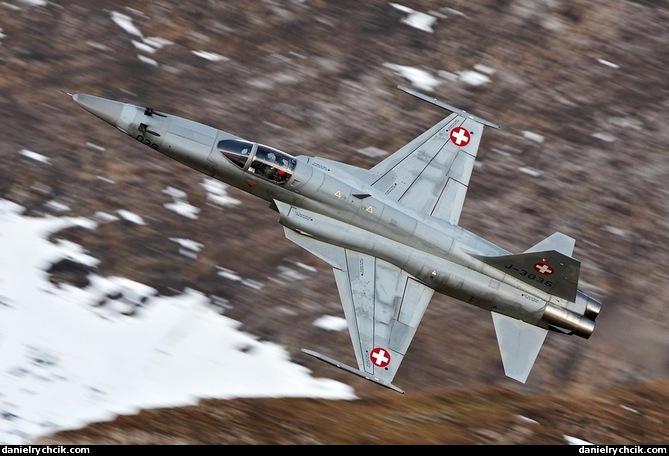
<point x="380" y="357"/>
<point x="543" y="268"/>
<point x="460" y="136"/>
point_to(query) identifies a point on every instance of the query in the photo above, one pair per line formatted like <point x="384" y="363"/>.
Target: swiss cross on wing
<point x="460" y="136"/>
<point x="380" y="357"/>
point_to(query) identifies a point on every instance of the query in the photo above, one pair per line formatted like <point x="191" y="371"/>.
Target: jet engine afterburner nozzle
<point x="564" y="319"/>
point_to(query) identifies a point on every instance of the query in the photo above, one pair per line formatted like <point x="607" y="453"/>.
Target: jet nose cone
<point x="107" y="110"/>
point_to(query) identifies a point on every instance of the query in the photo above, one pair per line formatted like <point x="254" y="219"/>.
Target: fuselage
<point x="335" y="203"/>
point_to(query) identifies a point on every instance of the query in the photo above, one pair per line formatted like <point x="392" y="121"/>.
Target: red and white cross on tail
<point x="543" y="268"/>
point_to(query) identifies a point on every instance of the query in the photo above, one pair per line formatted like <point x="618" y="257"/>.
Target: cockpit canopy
<point x="264" y="161"/>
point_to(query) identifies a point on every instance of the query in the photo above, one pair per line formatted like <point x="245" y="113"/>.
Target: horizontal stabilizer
<point x="556" y="241"/>
<point x="351" y="370"/>
<point x="519" y="344"/>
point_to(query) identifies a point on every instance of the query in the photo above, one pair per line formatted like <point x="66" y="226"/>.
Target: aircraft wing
<point x="431" y="173"/>
<point x="383" y="307"/>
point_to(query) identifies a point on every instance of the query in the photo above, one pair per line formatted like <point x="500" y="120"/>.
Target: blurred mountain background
<point x="579" y="88"/>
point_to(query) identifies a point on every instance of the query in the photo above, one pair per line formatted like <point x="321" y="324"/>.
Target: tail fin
<point x="546" y="266"/>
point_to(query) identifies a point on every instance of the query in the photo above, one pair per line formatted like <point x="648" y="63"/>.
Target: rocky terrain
<point x="454" y="416"/>
<point x="580" y="91"/>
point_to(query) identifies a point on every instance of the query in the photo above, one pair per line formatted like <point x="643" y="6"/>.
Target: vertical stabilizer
<point x="547" y="266"/>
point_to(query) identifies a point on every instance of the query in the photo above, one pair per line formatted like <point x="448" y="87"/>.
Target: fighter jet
<point x="390" y="234"/>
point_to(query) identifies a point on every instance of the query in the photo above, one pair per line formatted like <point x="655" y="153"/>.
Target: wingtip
<point x="352" y="370"/>
<point x="436" y="102"/>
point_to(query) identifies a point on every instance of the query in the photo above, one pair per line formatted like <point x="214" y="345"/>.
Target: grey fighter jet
<point x="390" y="234"/>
